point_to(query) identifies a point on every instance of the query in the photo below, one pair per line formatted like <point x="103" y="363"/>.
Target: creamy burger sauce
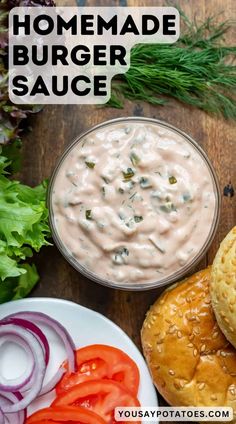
<point x="133" y="202"/>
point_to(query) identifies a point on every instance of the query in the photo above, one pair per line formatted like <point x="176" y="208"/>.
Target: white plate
<point x="86" y="327"/>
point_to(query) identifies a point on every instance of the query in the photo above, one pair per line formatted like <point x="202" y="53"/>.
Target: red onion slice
<point x="8" y="398"/>
<point x="15" y="332"/>
<point x="34" y="329"/>
<point x="41" y="318"/>
<point x="10" y="385"/>
<point x="2" y="419"/>
<point x="52" y="383"/>
<point x="21" y="328"/>
<point x="11" y="397"/>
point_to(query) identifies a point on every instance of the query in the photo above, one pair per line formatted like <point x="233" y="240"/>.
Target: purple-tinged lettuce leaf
<point x="11" y="115"/>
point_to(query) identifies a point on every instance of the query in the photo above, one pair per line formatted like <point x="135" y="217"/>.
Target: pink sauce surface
<point x="133" y="202"/>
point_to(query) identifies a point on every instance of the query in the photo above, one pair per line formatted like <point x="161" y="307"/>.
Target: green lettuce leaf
<point x="14" y="288"/>
<point x="26" y="281"/>
<point x="9" y="267"/>
<point x="23" y="229"/>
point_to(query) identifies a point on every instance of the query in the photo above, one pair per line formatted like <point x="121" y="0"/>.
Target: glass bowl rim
<point x="172" y="278"/>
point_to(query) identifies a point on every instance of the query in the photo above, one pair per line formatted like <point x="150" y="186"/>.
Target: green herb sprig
<point x="198" y="70"/>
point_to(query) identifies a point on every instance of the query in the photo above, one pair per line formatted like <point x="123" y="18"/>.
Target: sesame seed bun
<point x="191" y="362"/>
<point x="223" y="286"/>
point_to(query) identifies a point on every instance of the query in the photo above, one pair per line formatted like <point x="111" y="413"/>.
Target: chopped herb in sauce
<point x="124" y="251"/>
<point x="134" y="158"/>
<point x="186" y="197"/>
<point x="138" y="218"/>
<point x="187" y="155"/>
<point x="121" y="190"/>
<point x="168" y="207"/>
<point x="88" y="214"/>
<point x="105" y="180"/>
<point x="130" y="222"/>
<point x="103" y="191"/>
<point x="156" y="195"/>
<point x="157" y="245"/>
<point x="133" y="196"/>
<point x="127" y="130"/>
<point x="128" y="174"/>
<point x="172" y="180"/>
<point x="121" y="216"/>
<point x="130" y="184"/>
<point x="90" y="165"/>
<point x="144" y="182"/>
<point x="120" y="255"/>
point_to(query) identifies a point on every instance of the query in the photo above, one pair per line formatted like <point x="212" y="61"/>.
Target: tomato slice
<point x="55" y="422"/>
<point x="52" y="422"/>
<point x="99" y="396"/>
<point x="102" y="362"/>
<point x="64" y="415"/>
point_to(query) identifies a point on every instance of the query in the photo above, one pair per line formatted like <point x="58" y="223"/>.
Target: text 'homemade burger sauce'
<point x="133" y="201"/>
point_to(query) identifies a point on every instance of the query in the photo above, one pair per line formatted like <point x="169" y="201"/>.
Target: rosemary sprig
<point x="197" y="70"/>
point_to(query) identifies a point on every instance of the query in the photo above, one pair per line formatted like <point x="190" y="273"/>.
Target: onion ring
<point x="2" y="419"/>
<point x="34" y="329"/>
<point x="18" y="417"/>
<point x="13" y="385"/>
<point x="52" y="383"/>
<point x="13" y="331"/>
<point x="21" y="328"/>
<point x="39" y="317"/>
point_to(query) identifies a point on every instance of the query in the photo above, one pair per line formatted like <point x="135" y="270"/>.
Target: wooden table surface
<point x="55" y="127"/>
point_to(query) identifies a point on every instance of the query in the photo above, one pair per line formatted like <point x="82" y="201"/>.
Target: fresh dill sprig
<point x="197" y="70"/>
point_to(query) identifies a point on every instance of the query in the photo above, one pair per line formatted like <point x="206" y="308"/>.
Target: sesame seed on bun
<point x="223" y="286"/>
<point x="191" y="361"/>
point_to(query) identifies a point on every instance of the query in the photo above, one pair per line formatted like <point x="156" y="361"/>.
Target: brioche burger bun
<point x="191" y="361"/>
<point x="223" y="286"/>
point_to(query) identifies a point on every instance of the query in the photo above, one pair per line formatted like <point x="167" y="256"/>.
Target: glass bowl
<point x="128" y="285"/>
